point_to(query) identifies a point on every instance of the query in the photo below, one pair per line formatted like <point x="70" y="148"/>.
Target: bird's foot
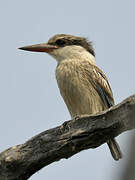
<point x="76" y="117"/>
<point x="64" y="126"/>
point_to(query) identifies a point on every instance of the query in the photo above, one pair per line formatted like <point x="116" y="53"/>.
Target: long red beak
<point x="44" y="47"/>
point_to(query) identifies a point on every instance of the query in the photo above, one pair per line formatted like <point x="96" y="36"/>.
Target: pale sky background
<point x="30" y="101"/>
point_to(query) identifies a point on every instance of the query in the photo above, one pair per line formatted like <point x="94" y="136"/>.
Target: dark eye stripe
<point x="60" y="42"/>
<point x="65" y="40"/>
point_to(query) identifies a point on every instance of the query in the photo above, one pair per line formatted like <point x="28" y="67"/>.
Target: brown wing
<point x="100" y="83"/>
<point x="102" y="86"/>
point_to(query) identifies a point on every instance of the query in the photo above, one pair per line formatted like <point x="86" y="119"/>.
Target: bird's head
<point x="62" y="46"/>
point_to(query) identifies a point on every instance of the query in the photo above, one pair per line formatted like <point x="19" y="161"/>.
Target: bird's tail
<point x="114" y="149"/>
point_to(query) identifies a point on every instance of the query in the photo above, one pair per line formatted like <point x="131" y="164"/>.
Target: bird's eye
<point x="60" y="42"/>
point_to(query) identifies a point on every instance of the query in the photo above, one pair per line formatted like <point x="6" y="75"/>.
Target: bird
<point x="82" y="84"/>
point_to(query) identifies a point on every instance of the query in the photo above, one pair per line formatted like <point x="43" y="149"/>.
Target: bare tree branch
<point x="22" y="161"/>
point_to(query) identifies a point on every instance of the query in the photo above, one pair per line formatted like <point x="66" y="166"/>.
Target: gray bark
<point x="22" y="161"/>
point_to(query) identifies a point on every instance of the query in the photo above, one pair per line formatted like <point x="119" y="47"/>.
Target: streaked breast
<point x="76" y="90"/>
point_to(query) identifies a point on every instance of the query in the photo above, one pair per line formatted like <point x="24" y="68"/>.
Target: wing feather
<point x="101" y="84"/>
<point x="103" y="87"/>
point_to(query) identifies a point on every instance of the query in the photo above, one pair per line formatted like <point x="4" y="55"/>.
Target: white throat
<point x="72" y="52"/>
